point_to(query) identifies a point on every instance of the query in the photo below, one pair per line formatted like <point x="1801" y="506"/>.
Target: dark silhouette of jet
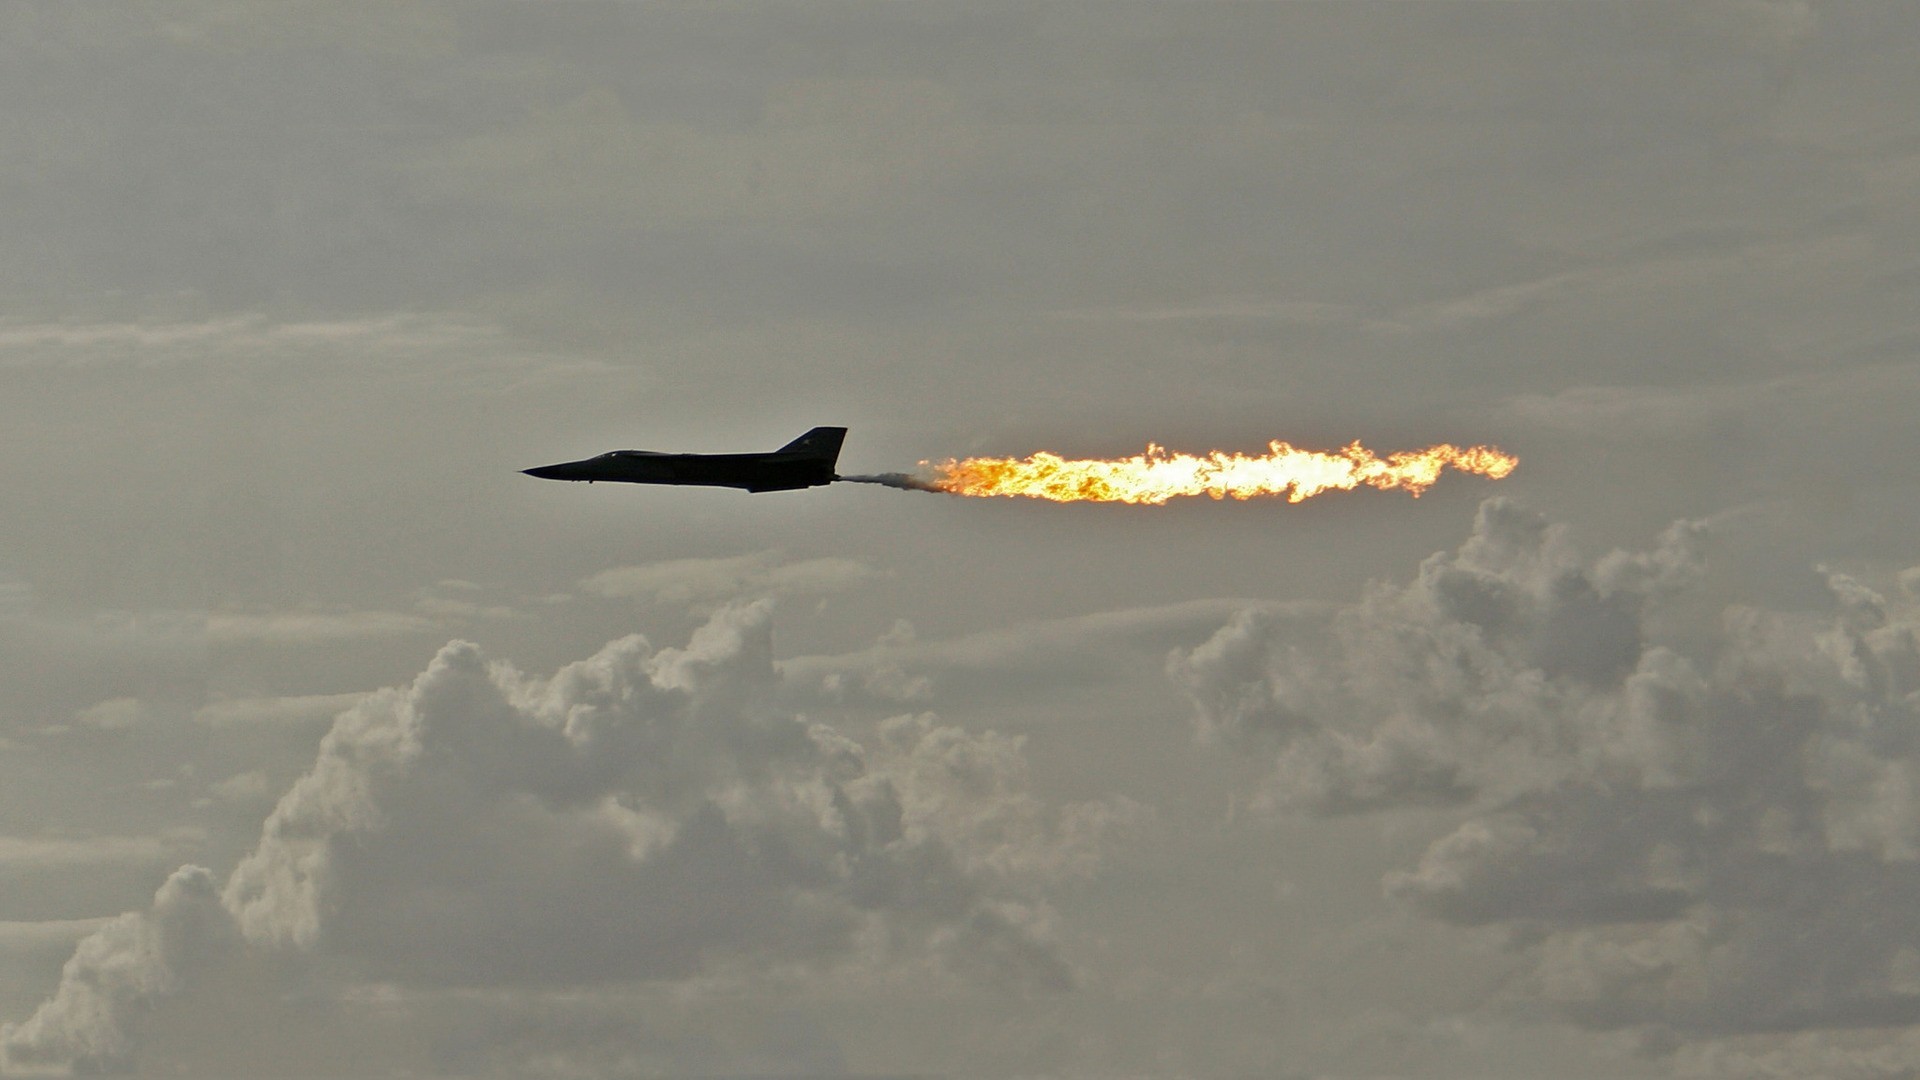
<point x="805" y="462"/>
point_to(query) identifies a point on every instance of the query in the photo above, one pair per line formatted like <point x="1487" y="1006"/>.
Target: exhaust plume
<point x="1155" y="476"/>
<point x="903" y="481"/>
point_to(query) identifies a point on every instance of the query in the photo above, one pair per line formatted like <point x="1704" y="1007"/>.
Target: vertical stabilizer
<point x="821" y="442"/>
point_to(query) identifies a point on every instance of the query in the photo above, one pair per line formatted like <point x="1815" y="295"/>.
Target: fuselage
<point x="806" y="462"/>
<point x="749" y="472"/>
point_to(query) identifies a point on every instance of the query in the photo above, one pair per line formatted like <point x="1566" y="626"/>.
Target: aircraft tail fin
<point x="821" y="442"/>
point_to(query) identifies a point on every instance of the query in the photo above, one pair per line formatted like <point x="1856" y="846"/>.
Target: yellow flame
<point x="1155" y="476"/>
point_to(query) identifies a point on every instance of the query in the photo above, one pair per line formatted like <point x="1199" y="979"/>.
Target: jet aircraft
<point x="805" y="462"/>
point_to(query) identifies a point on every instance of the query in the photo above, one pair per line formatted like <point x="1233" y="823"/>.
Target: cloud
<point x="643" y="816"/>
<point x="222" y="26"/>
<point x="899" y="668"/>
<point x="1764" y="26"/>
<point x="114" y="714"/>
<point x="16" y="598"/>
<point x="20" y="937"/>
<point x="235" y="339"/>
<point x="1840" y="1055"/>
<point x="91" y="1023"/>
<point x="1645" y="285"/>
<point x="1702" y="830"/>
<point x="298" y="709"/>
<point x="704" y="584"/>
<point x="246" y="787"/>
<point x="311" y="627"/>
<point x="20" y="853"/>
<point x="1791" y="404"/>
<point x="1223" y="309"/>
<point x="148" y="656"/>
<point x="405" y="347"/>
<point x="821" y="147"/>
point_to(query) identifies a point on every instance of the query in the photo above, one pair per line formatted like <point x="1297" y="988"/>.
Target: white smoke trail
<point x="903" y="481"/>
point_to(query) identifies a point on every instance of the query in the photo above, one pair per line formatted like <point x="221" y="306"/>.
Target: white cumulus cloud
<point x="1698" y="835"/>
<point x="643" y="816"/>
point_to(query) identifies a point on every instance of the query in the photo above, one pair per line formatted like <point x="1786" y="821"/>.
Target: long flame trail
<point x="1155" y="476"/>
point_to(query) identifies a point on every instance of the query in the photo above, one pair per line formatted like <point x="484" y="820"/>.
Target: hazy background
<point x="1368" y="786"/>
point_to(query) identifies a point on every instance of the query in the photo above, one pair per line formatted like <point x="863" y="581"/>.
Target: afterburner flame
<point x="1155" y="476"/>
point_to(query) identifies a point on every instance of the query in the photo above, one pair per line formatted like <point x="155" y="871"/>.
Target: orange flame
<point x="1155" y="476"/>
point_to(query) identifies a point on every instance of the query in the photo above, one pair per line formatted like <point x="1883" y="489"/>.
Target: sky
<point x="330" y="744"/>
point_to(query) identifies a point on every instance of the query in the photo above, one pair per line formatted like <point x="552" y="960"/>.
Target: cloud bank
<point x="642" y="816"/>
<point x="1692" y="825"/>
<point x="705" y="584"/>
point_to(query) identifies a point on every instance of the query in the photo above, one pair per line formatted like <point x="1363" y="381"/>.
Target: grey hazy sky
<point x="331" y="744"/>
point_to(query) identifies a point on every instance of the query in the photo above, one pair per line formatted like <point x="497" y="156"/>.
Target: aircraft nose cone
<point x="548" y="472"/>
